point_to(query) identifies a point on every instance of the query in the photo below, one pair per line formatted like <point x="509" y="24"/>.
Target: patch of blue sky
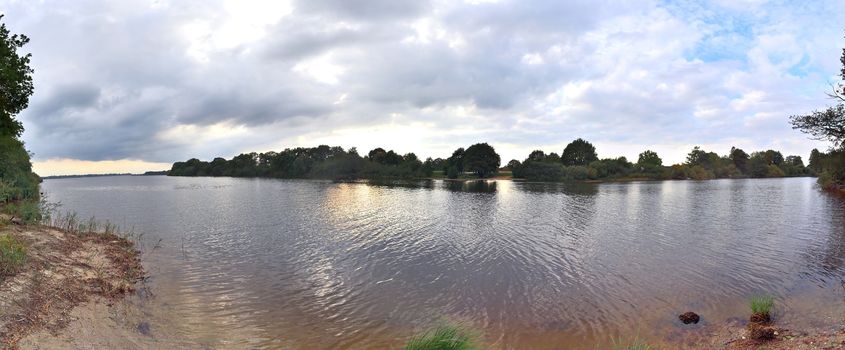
<point x="727" y="35"/>
<point x="803" y="68"/>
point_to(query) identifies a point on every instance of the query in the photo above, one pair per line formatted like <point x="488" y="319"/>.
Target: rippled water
<point x="310" y="265"/>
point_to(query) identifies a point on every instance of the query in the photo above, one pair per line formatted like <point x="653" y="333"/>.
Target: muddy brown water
<point x="310" y="264"/>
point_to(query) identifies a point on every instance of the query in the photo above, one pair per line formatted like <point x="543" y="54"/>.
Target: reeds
<point x="762" y="304"/>
<point x="445" y="337"/>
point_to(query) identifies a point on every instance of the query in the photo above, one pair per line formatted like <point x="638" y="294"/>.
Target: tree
<point x="758" y="166"/>
<point x="697" y="156"/>
<point x="481" y="159"/>
<point x="514" y="164"/>
<point x="794" y="161"/>
<point x="826" y="125"/>
<point x="537" y="156"/>
<point x="773" y="157"/>
<point x="457" y="160"/>
<point x="740" y="159"/>
<point x="17" y="181"/>
<point x="579" y="152"/>
<point x="452" y="173"/>
<point x="376" y="153"/>
<point x="815" y="160"/>
<point x="649" y="161"/>
<point x="15" y="81"/>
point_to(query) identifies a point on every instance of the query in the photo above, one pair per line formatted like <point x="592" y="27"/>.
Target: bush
<point x="774" y="171"/>
<point x="540" y="171"/>
<point x="29" y="211"/>
<point x="577" y="172"/>
<point x="698" y="172"/>
<point x="452" y="173"/>
<point x="18" y="180"/>
<point x="12" y="254"/>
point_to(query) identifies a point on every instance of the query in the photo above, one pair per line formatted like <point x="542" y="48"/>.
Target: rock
<point x="689" y="317"/>
<point x="144" y="328"/>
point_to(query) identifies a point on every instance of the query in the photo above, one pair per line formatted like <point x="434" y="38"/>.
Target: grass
<point x="446" y="337"/>
<point x="12" y="254"/>
<point x="762" y="304"/>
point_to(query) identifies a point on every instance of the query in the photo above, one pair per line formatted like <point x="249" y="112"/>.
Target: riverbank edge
<point x="66" y="270"/>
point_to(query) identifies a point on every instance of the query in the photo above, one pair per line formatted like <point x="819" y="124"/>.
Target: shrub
<point x="18" y="180"/>
<point x="698" y="172"/>
<point x="443" y="338"/>
<point x="29" y="211"/>
<point x="577" y="172"/>
<point x="12" y="254"/>
<point x="452" y="173"/>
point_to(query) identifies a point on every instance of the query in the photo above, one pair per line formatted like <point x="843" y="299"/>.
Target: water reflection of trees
<point x="426" y="184"/>
<point x="829" y="262"/>
<point x="572" y="188"/>
<point x="478" y="186"/>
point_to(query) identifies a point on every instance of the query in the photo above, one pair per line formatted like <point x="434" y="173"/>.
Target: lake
<point x="318" y="265"/>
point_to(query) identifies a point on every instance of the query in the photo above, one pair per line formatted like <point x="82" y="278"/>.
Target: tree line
<point x="579" y="161"/>
<point x="326" y="162"/>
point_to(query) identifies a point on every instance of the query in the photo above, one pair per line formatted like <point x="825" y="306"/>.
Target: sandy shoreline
<point x="69" y="290"/>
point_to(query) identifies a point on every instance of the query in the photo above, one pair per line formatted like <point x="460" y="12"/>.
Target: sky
<point x="130" y="86"/>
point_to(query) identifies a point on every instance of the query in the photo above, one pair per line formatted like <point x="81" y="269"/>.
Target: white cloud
<point x="168" y="81"/>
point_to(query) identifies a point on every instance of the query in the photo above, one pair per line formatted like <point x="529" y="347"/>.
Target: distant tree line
<point x="828" y="125"/>
<point x="579" y="161"/>
<point x="325" y="162"/>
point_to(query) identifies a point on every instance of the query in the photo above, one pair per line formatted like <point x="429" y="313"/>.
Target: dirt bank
<point x="68" y="292"/>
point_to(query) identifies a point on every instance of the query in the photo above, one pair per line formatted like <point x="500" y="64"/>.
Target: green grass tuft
<point x="445" y="337"/>
<point x="12" y="254"/>
<point x="762" y="304"/>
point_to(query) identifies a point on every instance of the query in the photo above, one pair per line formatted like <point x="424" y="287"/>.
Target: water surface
<point x="309" y="264"/>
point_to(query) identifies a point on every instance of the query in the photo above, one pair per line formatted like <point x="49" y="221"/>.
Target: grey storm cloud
<point x="113" y="78"/>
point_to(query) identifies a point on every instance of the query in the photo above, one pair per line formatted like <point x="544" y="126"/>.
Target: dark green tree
<point x="815" y="160"/>
<point x="457" y="160"/>
<point x="794" y="161"/>
<point x="536" y="156"/>
<point x="649" y="161"/>
<point x="481" y="159"/>
<point x="17" y="181"/>
<point x="579" y="152"/>
<point x="773" y="157"/>
<point x="740" y="159"/>
<point x="453" y="172"/>
<point x="15" y="81"/>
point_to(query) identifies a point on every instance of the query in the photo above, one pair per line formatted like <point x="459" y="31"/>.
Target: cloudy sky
<point x="135" y="85"/>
